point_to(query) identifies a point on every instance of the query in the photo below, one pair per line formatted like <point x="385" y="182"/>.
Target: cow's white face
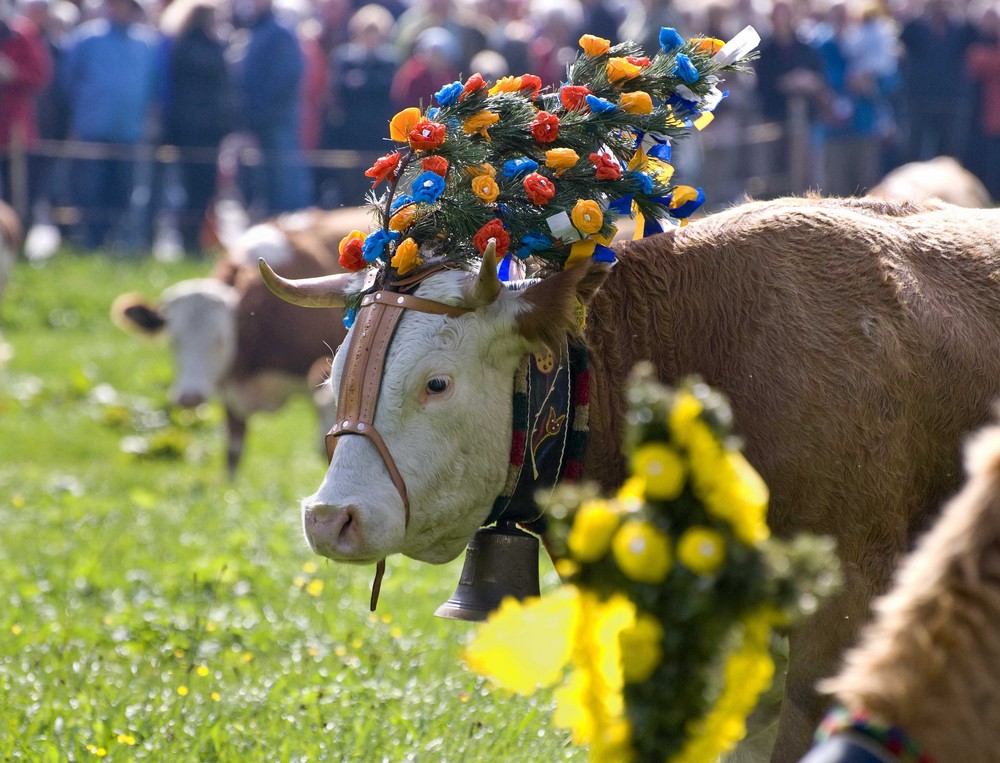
<point x="444" y="413"/>
<point x="201" y="322"/>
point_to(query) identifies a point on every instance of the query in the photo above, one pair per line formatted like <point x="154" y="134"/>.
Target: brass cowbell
<point x="500" y="561"/>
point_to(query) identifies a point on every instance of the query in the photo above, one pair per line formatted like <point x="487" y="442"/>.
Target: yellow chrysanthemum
<point x="661" y="468"/>
<point x="685" y="411"/>
<point x="593" y="526"/>
<point x="506" y="85"/>
<point x="479" y="122"/>
<point x="486" y="188"/>
<point x="403" y="218"/>
<point x="401" y="124"/>
<point x="632" y="493"/>
<point x="620" y="69"/>
<point x="594" y="46"/>
<point x="642" y="648"/>
<point x="637" y="102"/>
<point x="561" y="158"/>
<point x="406" y="257"/>
<point x="701" y="549"/>
<point x="498" y="651"/>
<point x="740" y="496"/>
<point x="642" y="551"/>
<point x="587" y="216"/>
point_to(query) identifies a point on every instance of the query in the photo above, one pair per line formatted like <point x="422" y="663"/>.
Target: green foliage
<point x="130" y="568"/>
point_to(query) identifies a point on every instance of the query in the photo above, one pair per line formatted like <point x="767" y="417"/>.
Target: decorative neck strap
<point x="893" y="739"/>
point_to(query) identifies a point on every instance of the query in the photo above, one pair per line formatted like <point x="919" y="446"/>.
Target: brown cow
<point x="930" y="662"/>
<point x="231" y="335"/>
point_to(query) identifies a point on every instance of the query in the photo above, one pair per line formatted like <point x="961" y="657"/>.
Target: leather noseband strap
<point x="374" y="328"/>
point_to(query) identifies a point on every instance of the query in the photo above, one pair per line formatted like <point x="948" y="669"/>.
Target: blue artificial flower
<point x="533" y="242"/>
<point x="599" y="105"/>
<point x="603" y="253"/>
<point x="427" y="187"/>
<point x="645" y="182"/>
<point x="374" y="245"/>
<point x="350" y="315"/>
<point x="669" y="39"/>
<point x="448" y="94"/>
<point x="685" y="69"/>
<point x="433" y="113"/>
<point x="399" y="202"/>
<point x="517" y="167"/>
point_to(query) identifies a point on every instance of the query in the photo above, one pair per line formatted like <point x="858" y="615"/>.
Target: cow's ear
<point x="551" y="308"/>
<point x="132" y="313"/>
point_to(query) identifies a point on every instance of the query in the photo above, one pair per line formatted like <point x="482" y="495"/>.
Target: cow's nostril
<point x="332" y="530"/>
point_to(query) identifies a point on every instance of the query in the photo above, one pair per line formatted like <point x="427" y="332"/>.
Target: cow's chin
<point x="442" y="551"/>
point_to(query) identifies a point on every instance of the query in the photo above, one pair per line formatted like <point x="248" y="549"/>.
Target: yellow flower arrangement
<point x="603" y="636"/>
<point x="479" y="122"/>
<point x="406" y="257"/>
<point x="594" y="46"/>
<point x="587" y="216"/>
<point x="642" y="552"/>
<point x="636" y="102"/>
<point x="401" y="124"/>
<point x="486" y="188"/>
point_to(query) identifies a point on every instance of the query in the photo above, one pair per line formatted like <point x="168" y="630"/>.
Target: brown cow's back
<point x="857" y="340"/>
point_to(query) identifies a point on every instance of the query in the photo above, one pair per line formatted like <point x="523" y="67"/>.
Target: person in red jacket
<point x="25" y="68"/>
<point x="983" y="64"/>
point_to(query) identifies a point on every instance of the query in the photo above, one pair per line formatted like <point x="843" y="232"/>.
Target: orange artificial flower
<point x="351" y="251"/>
<point x="574" y="97"/>
<point x="492" y="229"/>
<point x="561" y="158"/>
<point x="426" y="135"/>
<point x="486" y="188"/>
<point x="472" y="84"/>
<point x="406" y="257"/>
<point x="539" y="188"/>
<point x="532" y="83"/>
<point x="506" y="85"/>
<point x="707" y="45"/>
<point x="587" y="216"/>
<point x="606" y="168"/>
<point x="594" y="46"/>
<point x="436" y="164"/>
<point x="402" y="123"/>
<point x="637" y="102"/>
<point x="620" y="69"/>
<point x="403" y="218"/>
<point x="480" y="121"/>
<point x="545" y="128"/>
<point x="384" y="166"/>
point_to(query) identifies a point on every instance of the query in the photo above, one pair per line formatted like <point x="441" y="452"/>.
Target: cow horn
<point x="324" y="291"/>
<point x="487" y="285"/>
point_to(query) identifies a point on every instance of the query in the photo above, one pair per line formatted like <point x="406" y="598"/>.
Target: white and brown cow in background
<point x="858" y="341"/>
<point x="232" y="337"/>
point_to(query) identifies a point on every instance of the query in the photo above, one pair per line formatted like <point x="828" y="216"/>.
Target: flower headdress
<point x="544" y="174"/>
<point x="671" y="592"/>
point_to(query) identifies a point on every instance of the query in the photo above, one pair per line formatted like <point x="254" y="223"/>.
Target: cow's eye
<point x="437" y="385"/>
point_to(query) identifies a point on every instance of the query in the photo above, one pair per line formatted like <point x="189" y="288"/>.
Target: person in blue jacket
<point x="108" y="76"/>
<point x="271" y="89"/>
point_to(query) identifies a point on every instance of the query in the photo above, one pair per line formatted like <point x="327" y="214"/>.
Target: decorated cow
<point x="231" y="336"/>
<point x="858" y="340"/>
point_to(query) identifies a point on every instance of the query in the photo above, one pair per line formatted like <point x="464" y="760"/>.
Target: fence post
<point x="798" y="143"/>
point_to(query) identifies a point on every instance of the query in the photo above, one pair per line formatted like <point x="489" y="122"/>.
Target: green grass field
<point x="154" y="611"/>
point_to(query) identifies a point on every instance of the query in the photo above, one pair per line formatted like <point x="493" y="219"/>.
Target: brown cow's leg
<point x="236" y="430"/>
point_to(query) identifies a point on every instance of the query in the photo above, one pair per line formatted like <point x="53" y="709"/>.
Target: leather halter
<point x="374" y="328"/>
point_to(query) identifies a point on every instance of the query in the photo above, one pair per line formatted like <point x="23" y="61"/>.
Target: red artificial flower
<point x="574" y="97"/>
<point x="545" y="128"/>
<point x="352" y="255"/>
<point x="492" y="229"/>
<point x="426" y="135"/>
<point x="436" y="164"/>
<point x="606" y="166"/>
<point x="638" y="60"/>
<point x="384" y="166"/>
<point x="472" y="84"/>
<point x="539" y="188"/>
<point x="532" y="83"/>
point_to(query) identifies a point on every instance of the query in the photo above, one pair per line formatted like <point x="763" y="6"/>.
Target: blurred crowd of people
<point x="876" y="83"/>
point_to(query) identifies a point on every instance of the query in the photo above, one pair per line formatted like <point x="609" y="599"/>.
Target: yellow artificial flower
<point x="561" y="158"/>
<point x="642" y="648"/>
<point x="482" y="169"/>
<point x="587" y="216"/>
<point x="662" y="469"/>
<point x="498" y="650"/>
<point x="403" y="219"/>
<point x="707" y="45"/>
<point x="407" y="256"/>
<point x="659" y="169"/>
<point x="594" y="46"/>
<point x="506" y="85"/>
<point x="619" y="69"/>
<point x="701" y="549"/>
<point x="486" y="188"/>
<point x="593" y="526"/>
<point x="479" y="122"/>
<point x="685" y="411"/>
<point x="637" y="102"/>
<point x="642" y="551"/>
<point x="401" y="124"/>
